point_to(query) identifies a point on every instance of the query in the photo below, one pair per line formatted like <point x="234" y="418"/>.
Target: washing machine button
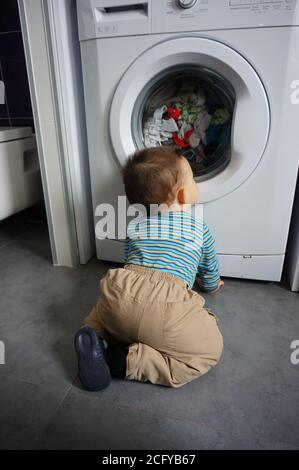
<point x="186" y="3"/>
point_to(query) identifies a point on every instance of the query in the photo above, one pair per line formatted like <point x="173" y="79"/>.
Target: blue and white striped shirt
<point x="174" y="242"/>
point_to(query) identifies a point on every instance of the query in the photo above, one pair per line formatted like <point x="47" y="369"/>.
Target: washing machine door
<point x="223" y="75"/>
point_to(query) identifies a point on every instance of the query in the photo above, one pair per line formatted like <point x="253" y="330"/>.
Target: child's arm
<point x="208" y="277"/>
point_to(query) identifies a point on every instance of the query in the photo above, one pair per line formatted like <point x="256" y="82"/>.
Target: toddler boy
<point x="155" y="325"/>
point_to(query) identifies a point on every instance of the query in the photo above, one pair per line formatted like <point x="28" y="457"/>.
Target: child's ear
<point x="181" y="196"/>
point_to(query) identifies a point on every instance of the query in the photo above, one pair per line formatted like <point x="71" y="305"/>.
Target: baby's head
<point x="159" y="175"/>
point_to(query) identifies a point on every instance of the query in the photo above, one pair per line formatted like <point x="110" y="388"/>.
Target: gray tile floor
<point x="249" y="401"/>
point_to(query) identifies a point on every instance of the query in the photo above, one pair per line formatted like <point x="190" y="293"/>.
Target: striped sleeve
<point x="208" y="269"/>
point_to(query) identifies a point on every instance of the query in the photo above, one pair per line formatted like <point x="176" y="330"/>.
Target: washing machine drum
<point x="203" y="98"/>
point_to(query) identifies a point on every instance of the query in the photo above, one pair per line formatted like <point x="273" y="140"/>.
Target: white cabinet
<point x="20" y="182"/>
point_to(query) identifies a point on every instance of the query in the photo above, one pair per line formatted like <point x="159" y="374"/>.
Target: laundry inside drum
<point x="190" y="108"/>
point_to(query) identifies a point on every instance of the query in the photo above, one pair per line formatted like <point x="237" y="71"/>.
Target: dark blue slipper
<point x="94" y="371"/>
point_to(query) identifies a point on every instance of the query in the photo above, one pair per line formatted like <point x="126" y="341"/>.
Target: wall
<point x="17" y="108"/>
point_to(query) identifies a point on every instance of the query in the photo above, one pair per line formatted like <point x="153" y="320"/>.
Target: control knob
<point x="186" y="3"/>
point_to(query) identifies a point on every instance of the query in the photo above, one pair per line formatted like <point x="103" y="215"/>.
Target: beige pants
<point x="172" y="339"/>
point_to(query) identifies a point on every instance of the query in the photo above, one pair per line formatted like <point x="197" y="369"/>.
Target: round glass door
<point x="204" y="98"/>
<point x="190" y="108"/>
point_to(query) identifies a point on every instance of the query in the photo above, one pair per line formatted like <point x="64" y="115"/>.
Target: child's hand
<point x="219" y="287"/>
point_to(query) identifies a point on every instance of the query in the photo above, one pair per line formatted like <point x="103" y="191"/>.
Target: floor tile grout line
<point x="171" y="418"/>
<point x="29" y="382"/>
<point x="51" y="419"/>
<point x="130" y="407"/>
<point x="166" y="418"/>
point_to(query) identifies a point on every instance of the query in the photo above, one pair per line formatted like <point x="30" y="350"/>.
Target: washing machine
<point x="242" y="58"/>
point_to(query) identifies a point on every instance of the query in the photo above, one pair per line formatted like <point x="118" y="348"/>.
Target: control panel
<point x="203" y="15"/>
<point x="109" y="18"/>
